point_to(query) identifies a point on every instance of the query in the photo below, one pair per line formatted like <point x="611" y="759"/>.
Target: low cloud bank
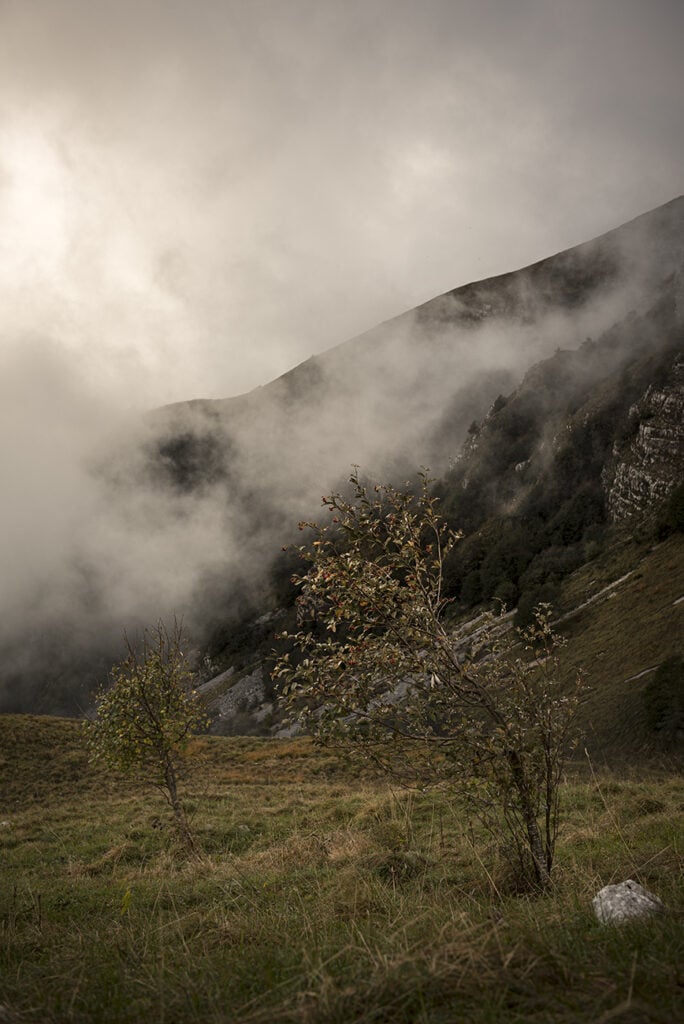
<point x="111" y="521"/>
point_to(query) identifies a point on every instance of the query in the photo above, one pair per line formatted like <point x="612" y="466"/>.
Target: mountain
<point x="547" y="468"/>
<point x="404" y="393"/>
<point x="569" y="490"/>
<point x="545" y="400"/>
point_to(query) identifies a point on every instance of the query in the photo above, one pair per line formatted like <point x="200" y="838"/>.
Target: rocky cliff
<point x="646" y="467"/>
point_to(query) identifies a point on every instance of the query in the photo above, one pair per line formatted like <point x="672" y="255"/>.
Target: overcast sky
<point x="195" y="195"/>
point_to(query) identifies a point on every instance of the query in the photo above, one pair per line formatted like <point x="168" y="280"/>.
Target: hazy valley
<point x="549" y="405"/>
<point x="546" y="402"/>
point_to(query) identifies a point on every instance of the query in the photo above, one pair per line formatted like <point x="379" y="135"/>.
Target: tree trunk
<point x="177" y="807"/>
<point x="534" y="838"/>
<point x="536" y="846"/>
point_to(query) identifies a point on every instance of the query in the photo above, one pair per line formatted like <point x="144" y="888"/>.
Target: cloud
<point x="227" y="188"/>
<point x="92" y="540"/>
<point x="113" y="520"/>
<point x="195" y="197"/>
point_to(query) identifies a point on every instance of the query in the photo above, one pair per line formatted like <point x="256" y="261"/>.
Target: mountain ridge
<point x="658" y="217"/>
<point x="405" y="392"/>
<point x="201" y="498"/>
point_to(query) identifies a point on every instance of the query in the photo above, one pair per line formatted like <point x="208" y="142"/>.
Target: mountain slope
<point x="533" y="489"/>
<point x="190" y="510"/>
<point x="538" y="488"/>
<point x="404" y="393"/>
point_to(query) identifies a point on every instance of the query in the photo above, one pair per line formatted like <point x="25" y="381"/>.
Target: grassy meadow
<point x="320" y="896"/>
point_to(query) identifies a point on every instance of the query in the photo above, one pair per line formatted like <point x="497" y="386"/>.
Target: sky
<point x="197" y="195"/>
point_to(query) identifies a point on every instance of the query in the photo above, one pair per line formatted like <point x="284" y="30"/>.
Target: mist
<point x="112" y="520"/>
<point x="196" y="198"/>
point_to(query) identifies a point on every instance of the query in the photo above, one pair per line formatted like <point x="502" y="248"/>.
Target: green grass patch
<point x="319" y="896"/>
<point x="621" y="635"/>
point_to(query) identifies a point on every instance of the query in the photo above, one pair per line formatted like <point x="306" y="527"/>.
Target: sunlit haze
<point x="194" y="197"/>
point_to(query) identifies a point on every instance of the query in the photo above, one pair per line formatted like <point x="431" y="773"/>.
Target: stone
<point x="624" y="902"/>
<point x="645" y="469"/>
<point x="246" y="694"/>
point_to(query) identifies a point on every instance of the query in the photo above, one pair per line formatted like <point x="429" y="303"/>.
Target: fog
<point x="195" y="198"/>
<point x="112" y="520"/>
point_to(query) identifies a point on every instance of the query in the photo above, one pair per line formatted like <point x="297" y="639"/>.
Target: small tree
<point x="377" y="667"/>
<point x="146" y="716"/>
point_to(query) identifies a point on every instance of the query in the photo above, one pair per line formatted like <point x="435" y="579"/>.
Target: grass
<point x="320" y="896"/>
<point x="620" y="636"/>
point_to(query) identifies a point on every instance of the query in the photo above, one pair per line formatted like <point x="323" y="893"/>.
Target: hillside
<point x="404" y="393"/>
<point x="547" y="403"/>
<point x="568" y="484"/>
<point x="621" y="613"/>
<point x="551" y="405"/>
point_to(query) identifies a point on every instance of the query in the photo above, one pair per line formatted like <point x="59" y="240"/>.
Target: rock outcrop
<point x="647" y="467"/>
<point x="226" y="699"/>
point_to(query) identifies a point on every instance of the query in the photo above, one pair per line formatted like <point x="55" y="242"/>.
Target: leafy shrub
<point x="471" y="589"/>
<point x="385" y="678"/>
<point x="506" y="558"/>
<point x="551" y="565"/>
<point x="585" y="507"/>
<point x="530" y="599"/>
<point x="147" y="715"/>
<point x="506" y="594"/>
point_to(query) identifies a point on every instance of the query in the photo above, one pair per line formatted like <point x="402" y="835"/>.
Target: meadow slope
<point x="320" y="896"/>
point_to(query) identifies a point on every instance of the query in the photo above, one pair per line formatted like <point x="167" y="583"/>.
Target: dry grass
<point x="318" y="897"/>
<point x="618" y="637"/>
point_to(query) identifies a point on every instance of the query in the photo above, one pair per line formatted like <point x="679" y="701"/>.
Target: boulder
<point x="625" y="901"/>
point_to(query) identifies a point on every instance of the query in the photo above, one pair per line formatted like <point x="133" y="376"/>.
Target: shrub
<point x="378" y="670"/>
<point x="547" y="594"/>
<point x="147" y="715"/>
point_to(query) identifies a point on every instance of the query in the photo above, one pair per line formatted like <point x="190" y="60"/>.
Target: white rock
<point x="616" y="903"/>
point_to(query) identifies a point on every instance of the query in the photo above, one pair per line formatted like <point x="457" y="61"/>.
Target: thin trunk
<point x="177" y="807"/>
<point x="534" y="838"/>
<point x="552" y="796"/>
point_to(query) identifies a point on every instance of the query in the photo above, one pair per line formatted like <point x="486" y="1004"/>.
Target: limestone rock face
<point x="616" y="903"/>
<point x="248" y="692"/>
<point x="645" y="469"/>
